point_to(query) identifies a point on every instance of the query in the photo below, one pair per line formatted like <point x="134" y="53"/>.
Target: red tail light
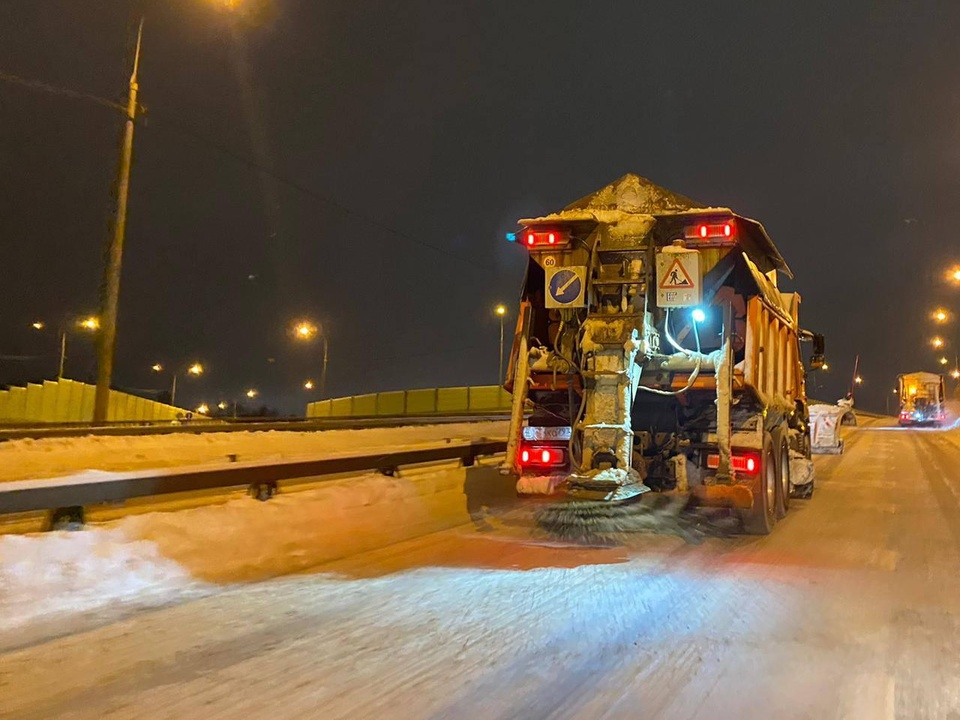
<point x="747" y="463"/>
<point x="542" y="456"/>
<point x="708" y="231"/>
<point x="549" y="238"/>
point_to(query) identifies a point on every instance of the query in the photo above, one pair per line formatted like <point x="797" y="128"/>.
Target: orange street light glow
<point x="196" y="369"/>
<point x="304" y="330"/>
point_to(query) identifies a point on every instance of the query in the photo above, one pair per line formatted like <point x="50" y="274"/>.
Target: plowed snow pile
<point x="57" y="576"/>
<point x="48" y="580"/>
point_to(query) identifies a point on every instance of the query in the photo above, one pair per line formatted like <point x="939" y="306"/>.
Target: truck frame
<point x="644" y="375"/>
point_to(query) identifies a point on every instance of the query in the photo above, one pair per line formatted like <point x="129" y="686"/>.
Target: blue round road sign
<point x="565" y="286"/>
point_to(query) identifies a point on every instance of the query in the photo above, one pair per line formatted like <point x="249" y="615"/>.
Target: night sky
<point x="359" y="164"/>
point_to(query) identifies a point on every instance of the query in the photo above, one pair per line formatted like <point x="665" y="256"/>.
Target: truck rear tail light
<point x="711" y="231"/>
<point x="545" y="238"/>
<point x="747" y="463"/>
<point x="542" y="456"/>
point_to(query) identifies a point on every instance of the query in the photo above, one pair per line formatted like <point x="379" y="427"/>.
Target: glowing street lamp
<point x="858" y="380"/>
<point x="825" y="367"/>
<point x="306" y="331"/>
<point x="195" y="370"/>
<point x="90" y="324"/>
<point x="943" y="361"/>
<point x="222" y="405"/>
<point x="38" y="325"/>
<point x="937" y="342"/>
<point x="954" y="274"/>
<point x="941" y="315"/>
<point x="202" y="409"/>
<point x="252" y="393"/>
<point x="308" y="385"/>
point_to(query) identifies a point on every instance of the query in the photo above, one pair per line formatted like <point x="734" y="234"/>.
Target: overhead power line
<point x="167" y="119"/>
<point x="54" y="90"/>
<point x="310" y="192"/>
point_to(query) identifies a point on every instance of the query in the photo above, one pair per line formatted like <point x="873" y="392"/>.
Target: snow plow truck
<point x="658" y="355"/>
<point x="921" y="399"/>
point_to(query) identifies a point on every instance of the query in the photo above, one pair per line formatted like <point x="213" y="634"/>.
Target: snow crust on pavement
<point x="51" y="576"/>
<point x="57" y="457"/>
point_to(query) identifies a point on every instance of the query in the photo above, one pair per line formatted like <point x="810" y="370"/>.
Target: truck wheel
<point x="760" y="519"/>
<point x="783" y="480"/>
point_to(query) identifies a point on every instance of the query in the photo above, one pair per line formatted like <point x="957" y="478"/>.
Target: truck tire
<point x="783" y="473"/>
<point x="760" y="519"/>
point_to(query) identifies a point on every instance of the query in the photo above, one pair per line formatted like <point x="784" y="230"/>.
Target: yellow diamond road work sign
<point x="679" y="278"/>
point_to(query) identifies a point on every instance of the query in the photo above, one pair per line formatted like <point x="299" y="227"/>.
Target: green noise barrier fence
<point x="429" y="401"/>
<point x="66" y="401"/>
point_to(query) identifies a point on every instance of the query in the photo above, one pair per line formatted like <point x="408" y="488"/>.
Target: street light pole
<point x="110" y="285"/>
<point x="500" y="371"/>
<point x="173" y="391"/>
<point x="501" y="311"/>
<point x="323" y="372"/>
<point x="63" y="353"/>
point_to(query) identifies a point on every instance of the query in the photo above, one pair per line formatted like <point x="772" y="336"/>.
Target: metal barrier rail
<point x="66" y="430"/>
<point x="65" y="498"/>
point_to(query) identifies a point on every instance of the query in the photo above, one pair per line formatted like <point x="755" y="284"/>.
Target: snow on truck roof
<point x="922" y="377"/>
<point x="631" y="196"/>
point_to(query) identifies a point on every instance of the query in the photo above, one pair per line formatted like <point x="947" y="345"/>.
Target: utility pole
<point x="110" y="285"/>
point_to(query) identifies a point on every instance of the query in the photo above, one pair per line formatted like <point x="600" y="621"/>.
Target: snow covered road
<point x="851" y="609"/>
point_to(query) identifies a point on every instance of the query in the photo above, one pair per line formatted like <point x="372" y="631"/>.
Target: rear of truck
<point x="922" y="398"/>
<point x="658" y="355"/>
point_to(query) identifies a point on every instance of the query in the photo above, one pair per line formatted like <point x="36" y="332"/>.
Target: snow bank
<point x="54" y="576"/>
<point x="246" y="540"/>
<point x="56" y="457"/>
<point x="158" y="557"/>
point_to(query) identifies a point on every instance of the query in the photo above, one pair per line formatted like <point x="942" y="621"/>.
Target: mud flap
<point x="801" y="475"/>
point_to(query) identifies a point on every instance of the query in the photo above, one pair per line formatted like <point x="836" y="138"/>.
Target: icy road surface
<point x="849" y="610"/>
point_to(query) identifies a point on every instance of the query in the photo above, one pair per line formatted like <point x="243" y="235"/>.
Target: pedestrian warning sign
<point x="679" y="278"/>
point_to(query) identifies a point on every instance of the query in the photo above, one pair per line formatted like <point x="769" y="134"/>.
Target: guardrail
<point x="65" y="499"/>
<point x="202" y="426"/>
<point x="480" y="398"/>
